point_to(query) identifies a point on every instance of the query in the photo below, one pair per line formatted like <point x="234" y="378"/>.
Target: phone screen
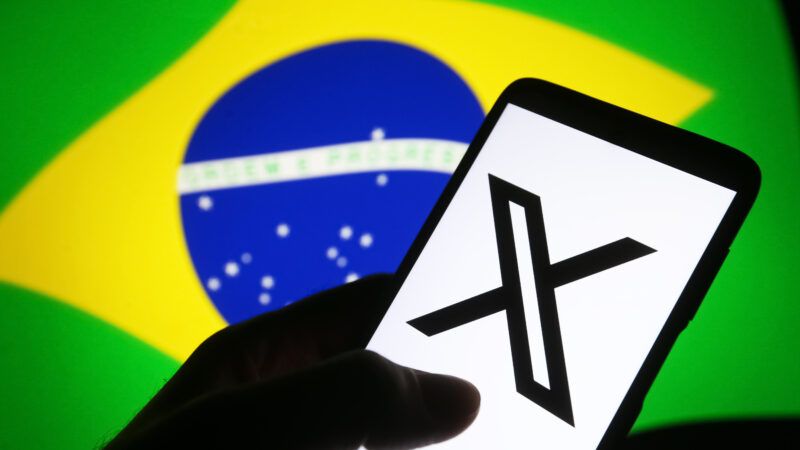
<point x="548" y="279"/>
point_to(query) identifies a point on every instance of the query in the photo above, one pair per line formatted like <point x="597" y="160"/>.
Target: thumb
<point x="359" y="398"/>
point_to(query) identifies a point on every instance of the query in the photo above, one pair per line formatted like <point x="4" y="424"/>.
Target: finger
<point x="335" y="321"/>
<point x="276" y="344"/>
<point x="280" y="342"/>
<point x="350" y="312"/>
<point x="357" y="399"/>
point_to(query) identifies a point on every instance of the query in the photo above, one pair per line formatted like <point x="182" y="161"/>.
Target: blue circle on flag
<point x="313" y="171"/>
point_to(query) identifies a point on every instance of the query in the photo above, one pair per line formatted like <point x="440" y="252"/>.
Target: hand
<point x="298" y="378"/>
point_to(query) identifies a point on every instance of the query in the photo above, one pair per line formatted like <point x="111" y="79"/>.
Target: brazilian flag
<point x="168" y="168"/>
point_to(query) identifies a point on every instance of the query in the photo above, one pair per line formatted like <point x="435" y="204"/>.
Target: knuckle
<point x="215" y="342"/>
<point x="374" y="364"/>
<point x="383" y="381"/>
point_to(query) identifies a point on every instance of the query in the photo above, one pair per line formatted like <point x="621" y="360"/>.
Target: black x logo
<point x="508" y="297"/>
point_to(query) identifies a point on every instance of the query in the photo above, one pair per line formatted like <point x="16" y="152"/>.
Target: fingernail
<point x="449" y="400"/>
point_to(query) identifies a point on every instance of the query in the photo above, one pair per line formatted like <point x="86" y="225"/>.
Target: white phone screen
<point x="593" y="195"/>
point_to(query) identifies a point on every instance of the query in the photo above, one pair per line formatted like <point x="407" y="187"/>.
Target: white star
<point x="366" y="240"/>
<point x="377" y="134"/>
<point x="267" y="282"/>
<point x="213" y="284"/>
<point x="341" y="261"/>
<point x="282" y="230"/>
<point x="231" y="269"/>
<point x="352" y="276"/>
<point x="247" y="258"/>
<point x="205" y="203"/>
<point x="382" y="179"/>
<point x="332" y="252"/>
<point x="346" y="232"/>
<point x="264" y="298"/>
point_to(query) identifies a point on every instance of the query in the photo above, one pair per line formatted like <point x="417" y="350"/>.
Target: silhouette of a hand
<point x="298" y="378"/>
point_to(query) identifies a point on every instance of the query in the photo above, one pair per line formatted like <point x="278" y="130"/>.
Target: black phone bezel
<point x="670" y="145"/>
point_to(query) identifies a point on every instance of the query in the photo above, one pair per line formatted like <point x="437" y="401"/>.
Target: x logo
<point x="508" y="297"/>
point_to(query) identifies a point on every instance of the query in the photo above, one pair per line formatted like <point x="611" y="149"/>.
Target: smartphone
<point x="573" y="244"/>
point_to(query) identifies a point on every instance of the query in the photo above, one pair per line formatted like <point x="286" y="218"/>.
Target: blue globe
<point x="319" y="169"/>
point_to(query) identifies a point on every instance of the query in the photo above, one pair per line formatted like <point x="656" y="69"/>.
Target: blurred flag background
<point x="171" y="167"/>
